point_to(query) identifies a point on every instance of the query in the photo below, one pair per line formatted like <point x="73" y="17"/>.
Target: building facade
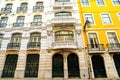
<point x="41" y="40"/>
<point x="101" y="38"/>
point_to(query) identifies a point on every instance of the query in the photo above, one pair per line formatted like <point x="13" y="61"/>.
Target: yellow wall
<point x="99" y="27"/>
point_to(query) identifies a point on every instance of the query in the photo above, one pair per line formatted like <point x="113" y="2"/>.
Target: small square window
<point x="85" y="3"/>
<point x="106" y="19"/>
<point x="100" y="2"/>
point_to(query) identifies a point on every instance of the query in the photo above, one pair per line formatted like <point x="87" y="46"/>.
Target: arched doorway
<point x="98" y="67"/>
<point x="32" y="65"/>
<point x="10" y="65"/>
<point x="73" y="66"/>
<point x="57" y="66"/>
<point x="116" y="58"/>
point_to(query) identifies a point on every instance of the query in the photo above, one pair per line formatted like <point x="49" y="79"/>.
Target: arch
<point x="98" y="66"/>
<point x="73" y="65"/>
<point x="8" y="70"/>
<point x="32" y="65"/>
<point x="116" y="58"/>
<point x="57" y="66"/>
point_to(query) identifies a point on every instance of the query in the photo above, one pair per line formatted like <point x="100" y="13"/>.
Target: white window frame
<point x="118" y="14"/>
<point x="111" y="22"/>
<point x="88" y="18"/>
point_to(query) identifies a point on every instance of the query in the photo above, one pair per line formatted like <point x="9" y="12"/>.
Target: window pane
<point x="100" y="2"/>
<point x="89" y="17"/>
<point x="106" y="19"/>
<point x="85" y="3"/>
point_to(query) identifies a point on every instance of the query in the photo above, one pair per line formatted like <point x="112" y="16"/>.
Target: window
<point x="3" y="22"/>
<point x="63" y="35"/>
<point x="9" y="6"/>
<point x="39" y="4"/>
<point x="85" y="3"/>
<point x="116" y="2"/>
<point x="89" y="17"/>
<point x="63" y="14"/>
<point x="112" y="37"/>
<point x="16" y="38"/>
<point x="119" y="15"/>
<point x="100" y="2"/>
<point x="20" y="19"/>
<point x="37" y="18"/>
<point x="106" y="19"/>
<point x="23" y="5"/>
<point x="93" y="40"/>
<point x="35" y="37"/>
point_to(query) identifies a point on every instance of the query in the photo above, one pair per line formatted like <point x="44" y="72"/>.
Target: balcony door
<point x="93" y="40"/>
<point x="64" y="35"/>
<point x="16" y="38"/>
<point x="113" y="41"/>
<point x="35" y="37"/>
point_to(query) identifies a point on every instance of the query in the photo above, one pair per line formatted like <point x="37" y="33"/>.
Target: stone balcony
<point x="63" y="20"/>
<point x="114" y="47"/>
<point x="64" y="44"/>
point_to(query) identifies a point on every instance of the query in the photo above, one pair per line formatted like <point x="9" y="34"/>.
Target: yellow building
<point x="102" y="37"/>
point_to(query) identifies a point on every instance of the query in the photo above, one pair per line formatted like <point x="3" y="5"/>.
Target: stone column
<point x="2" y="61"/>
<point x="45" y="65"/>
<point x="109" y="66"/>
<point x="21" y="63"/>
<point x="83" y="64"/>
<point x="65" y="65"/>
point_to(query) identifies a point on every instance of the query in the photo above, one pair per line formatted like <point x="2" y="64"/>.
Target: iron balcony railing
<point x="18" y="24"/>
<point x="36" y="23"/>
<point x="22" y="9"/>
<point x="6" y="10"/>
<point x="33" y="45"/>
<point x="37" y="8"/>
<point x="13" y="46"/>
<point x="113" y="46"/>
<point x="2" y="25"/>
<point x="96" y="47"/>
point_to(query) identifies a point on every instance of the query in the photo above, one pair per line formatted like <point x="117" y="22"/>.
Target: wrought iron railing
<point x="113" y="46"/>
<point x="22" y="9"/>
<point x="6" y="10"/>
<point x="2" y="25"/>
<point x="18" y="24"/>
<point x="13" y="46"/>
<point x="38" y="8"/>
<point x="33" y="45"/>
<point x="96" y="47"/>
<point x="36" y="23"/>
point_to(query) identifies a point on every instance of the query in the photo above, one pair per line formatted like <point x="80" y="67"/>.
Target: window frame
<point x="83" y="2"/>
<point x="110" y="19"/>
<point x="100" y="3"/>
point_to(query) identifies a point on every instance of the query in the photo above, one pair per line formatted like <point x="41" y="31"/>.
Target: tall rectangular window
<point x="106" y="19"/>
<point x="119" y="16"/>
<point x="85" y="3"/>
<point x="116" y="2"/>
<point x="37" y="18"/>
<point x="100" y="2"/>
<point x="89" y="17"/>
<point x="1" y="37"/>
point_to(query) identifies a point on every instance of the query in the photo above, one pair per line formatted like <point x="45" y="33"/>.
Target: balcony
<point x="0" y="45"/>
<point x="38" y="8"/>
<point x="36" y="23"/>
<point x="6" y="10"/>
<point x="114" y="47"/>
<point x="15" y="46"/>
<point x="96" y="48"/>
<point x="2" y="25"/>
<point x="33" y="45"/>
<point x="22" y="9"/>
<point x="63" y="20"/>
<point x="64" y="44"/>
<point x="66" y="4"/>
<point x="18" y="24"/>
